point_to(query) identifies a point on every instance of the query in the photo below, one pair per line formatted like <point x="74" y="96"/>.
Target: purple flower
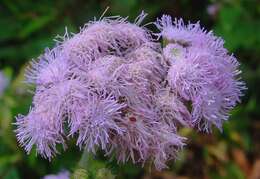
<point x="190" y="35"/>
<point x="171" y="109"/>
<point x="201" y="72"/>
<point x="98" y="82"/>
<point x="95" y="119"/>
<point x="146" y="137"/>
<point x="49" y="69"/>
<point x="38" y="128"/>
<point x="60" y="175"/>
<point x="3" y="83"/>
<point x="116" y="89"/>
<point x="213" y="9"/>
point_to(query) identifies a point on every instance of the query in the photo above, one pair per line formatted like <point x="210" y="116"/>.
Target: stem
<point x="85" y="160"/>
<point x="89" y="168"/>
<point x="81" y="171"/>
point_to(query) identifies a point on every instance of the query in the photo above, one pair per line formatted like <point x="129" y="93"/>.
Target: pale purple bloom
<point x="38" y="128"/>
<point x="95" y="119"/>
<point x="201" y="71"/>
<point x="171" y="109"/>
<point x="49" y="69"/>
<point x="3" y="83"/>
<point x="147" y="137"/>
<point x="60" y="175"/>
<point x="213" y="9"/>
<point x="190" y="35"/>
<point x="97" y="81"/>
<point x="114" y="88"/>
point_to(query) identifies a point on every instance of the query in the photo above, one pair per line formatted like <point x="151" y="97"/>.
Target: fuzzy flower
<point x="97" y="83"/>
<point x="3" y="83"/>
<point x="37" y="128"/>
<point x="49" y="69"/>
<point x="60" y="175"/>
<point x="190" y="35"/>
<point x="213" y="9"/>
<point x="114" y="88"/>
<point x="201" y="72"/>
<point x="171" y="109"/>
<point x="146" y="137"/>
<point x="95" y="119"/>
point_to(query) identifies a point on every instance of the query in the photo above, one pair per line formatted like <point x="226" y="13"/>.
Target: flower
<point x="37" y="129"/>
<point x="116" y="89"/>
<point x="171" y="109"/>
<point x="201" y="72"/>
<point x="3" y="83"/>
<point x="60" y="175"/>
<point x="213" y="9"/>
<point x="95" y="119"/>
<point x="190" y="35"/>
<point x="51" y="68"/>
<point x="99" y="82"/>
<point x="146" y="137"/>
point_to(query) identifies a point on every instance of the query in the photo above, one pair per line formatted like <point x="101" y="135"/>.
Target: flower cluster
<point x="201" y="72"/>
<point x="3" y="83"/>
<point x="61" y="175"/>
<point x="115" y="88"/>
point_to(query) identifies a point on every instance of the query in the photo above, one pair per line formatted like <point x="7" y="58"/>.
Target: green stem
<point x="90" y="168"/>
<point x="81" y="171"/>
<point x="85" y="160"/>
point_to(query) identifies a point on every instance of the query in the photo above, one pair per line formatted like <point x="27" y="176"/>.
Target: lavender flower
<point x="3" y="83"/>
<point x="190" y="35"/>
<point x="37" y="129"/>
<point x="118" y="90"/>
<point x="146" y="137"/>
<point x="95" y="119"/>
<point x="201" y="71"/>
<point x="60" y="175"/>
<point x="213" y="9"/>
<point x="98" y="81"/>
<point x="171" y="109"/>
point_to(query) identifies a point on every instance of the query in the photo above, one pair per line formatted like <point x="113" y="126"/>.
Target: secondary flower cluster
<point x="61" y="175"/>
<point x="3" y="83"/>
<point x="201" y="72"/>
<point x="115" y="88"/>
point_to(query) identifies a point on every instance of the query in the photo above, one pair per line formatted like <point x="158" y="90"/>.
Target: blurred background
<point x="27" y="27"/>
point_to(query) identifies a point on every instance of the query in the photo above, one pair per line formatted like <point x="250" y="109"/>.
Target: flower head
<point x="201" y="71"/>
<point x="116" y="89"/>
<point x="37" y="129"/>
<point x="60" y="175"/>
<point x="95" y="119"/>
<point x="3" y="83"/>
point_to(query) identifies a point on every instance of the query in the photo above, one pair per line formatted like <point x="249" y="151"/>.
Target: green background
<point x="27" y="27"/>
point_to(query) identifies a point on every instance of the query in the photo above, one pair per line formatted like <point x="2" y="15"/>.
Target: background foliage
<point x="27" y="27"/>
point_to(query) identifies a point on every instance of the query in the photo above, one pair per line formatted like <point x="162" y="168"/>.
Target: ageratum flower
<point x="201" y="71"/>
<point x="101" y="85"/>
<point x="61" y="175"/>
<point x="116" y="89"/>
<point x="3" y="83"/>
<point x="95" y="119"/>
<point x="146" y="136"/>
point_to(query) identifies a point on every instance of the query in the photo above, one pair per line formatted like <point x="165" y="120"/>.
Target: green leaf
<point x="35" y="25"/>
<point x="12" y="174"/>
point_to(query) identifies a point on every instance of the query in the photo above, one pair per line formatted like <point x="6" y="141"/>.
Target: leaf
<point x="12" y="174"/>
<point x="35" y="25"/>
